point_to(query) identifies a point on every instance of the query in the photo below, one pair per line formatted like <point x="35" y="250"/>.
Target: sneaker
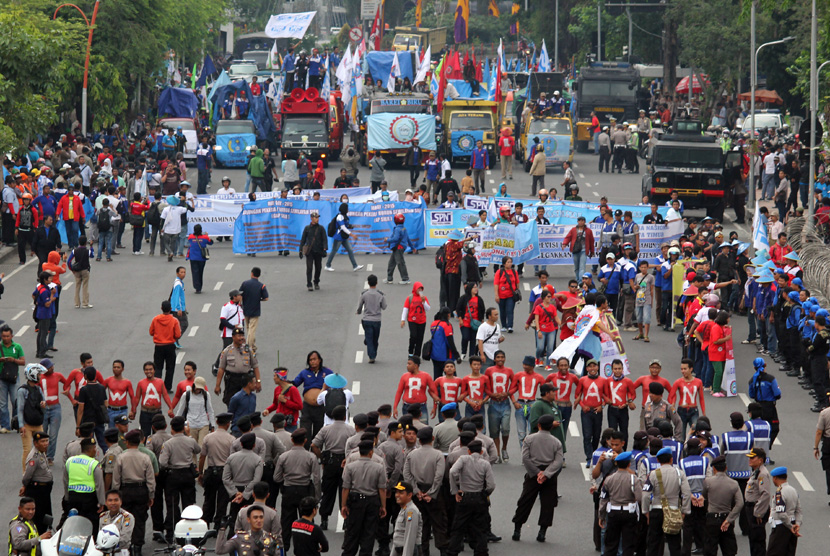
<point x="463" y="356"/>
<point x="387" y="281"/>
<point x="330" y="269"/>
<point x="718" y="395"/>
<point x="4" y="430"/>
<point x="504" y="455"/>
<point x="140" y="253"/>
<point x="510" y="330"/>
<point x="358" y="267"/>
<point x="310" y="289"/>
<point x="405" y="282"/>
<point x="90" y="306"/>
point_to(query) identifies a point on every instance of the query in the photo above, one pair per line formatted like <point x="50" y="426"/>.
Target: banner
<point x="440" y="222"/>
<point x="521" y="243"/>
<point x="566" y="212"/>
<point x="389" y="131"/>
<point x="291" y="26"/>
<point x="277" y="224"/>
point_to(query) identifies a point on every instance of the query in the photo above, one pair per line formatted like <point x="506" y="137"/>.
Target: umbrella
<point x="762" y="95"/>
<point x="683" y="86"/>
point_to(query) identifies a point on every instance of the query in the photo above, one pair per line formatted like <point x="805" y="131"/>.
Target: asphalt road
<point x="127" y="293"/>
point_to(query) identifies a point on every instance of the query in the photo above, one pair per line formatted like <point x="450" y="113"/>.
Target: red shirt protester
<point x="565" y="385"/>
<point x="50" y="384"/>
<point x="416" y="306"/>
<point x="687" y="393"/>
<point x="117" y="392"/>
<point x="181" y="388"/>
<point x="619" y="392"/>
<point x="149" y="392"/>
<point x="449" y="389"/>
<point x="501" y="379"/>
<point x="476" y="388"/>
<point x="645" y="381"/>
<point x="414" y="386"/>
<point x="76" y="377"/>
<point x="589" y="392"/>
<point x="525" y="385"/>
<point x="292" y="403"/>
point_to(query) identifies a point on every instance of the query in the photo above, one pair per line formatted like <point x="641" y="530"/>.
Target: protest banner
<point x="289" y="25"/>
<point x="440" y="222"/>
<point x="397" y="131"/>
<point x="521" y="243"/>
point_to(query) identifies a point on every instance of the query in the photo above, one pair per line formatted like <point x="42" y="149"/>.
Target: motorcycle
<point x="191" y="533"/>
<point x="75" y="539"/>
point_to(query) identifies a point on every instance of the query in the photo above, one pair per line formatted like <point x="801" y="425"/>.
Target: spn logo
<point x="440" y="218"/>
<point x="476" y="204"/>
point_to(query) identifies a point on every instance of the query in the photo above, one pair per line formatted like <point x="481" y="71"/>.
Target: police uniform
<point x="675" y="487"/>
<point x="299" y="472"/>
<point x="653" y="412"/>
<point x="215" y="451"/>
<point x="237" y="362"/>
<point x="696" y="468"/>
<point x="725" y="503"/>
<point x="133" y="476"/>
<point x="23" y="537"/>
<point x="364" y="480"/>
<point x="124" y="521"/>
<point x="823" y="431"/>
<point x="786" y="513"/>
<point x="818" y="350"/>
<point x="735" y="445"/>
<point x="541" y="453"/>
<point x="270" y="524"/>
<point x="424" y="470"/>
<point x="242" y="470"/>
<point x="247" y="543"/>
<point x="177" y="458"/>
<point x="472" y="478"/>
<point x="758" y="496"/>
<point x="84" y="480"/>
<point x="273" y="450"/>
<point x="37" y="482"/>
<point x="331" y="441"/>
<point x="618" y="508"/>
<point x="392" y="454"/>
<point x="408" y="530"/>
<point x="154" y="443"/>
<point x="259" y="445"/>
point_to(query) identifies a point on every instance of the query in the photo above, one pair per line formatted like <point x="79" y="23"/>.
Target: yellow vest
<point x="32" y="534"/>
<point x="81" y="471"/>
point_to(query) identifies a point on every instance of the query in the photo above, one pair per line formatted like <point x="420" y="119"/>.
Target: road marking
<point x="366" y="285"/>
<point x="575" y="166"/>
<point x="356" y="387"/>
<point x="527" y="287"/>
<point x="585" y="472"/>
<point x="777" y="443"/>
<point x="489" y="172"/>
<point x="369" y="267"/>
<point x="228" y="266"/>
<point x="19" y="268"/>
<point x="206" y="307"/>
<point x="193" y="331"/>
<point x="340" y="523"/>
<point x="360" y="331"/>
<point x="358" y="357"/>
<point x="218" y="286"/>
<point x="23" y="329"/>
<point x="492" y="181"/>
<point x="494" y="189"/>
<point x="581" y="175"/>
<point x="805" y="484"/>
<point x="573" y="430"/>
<point x="18" y="315"/>
<point x="744" y="398"/>
<point x="589" y="185"/>
<point x="68" y="285"/>
<point x="595" y="193"/>
<point x="179" y="357"/>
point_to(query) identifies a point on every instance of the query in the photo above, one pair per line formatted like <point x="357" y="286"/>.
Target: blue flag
<point x="208" y="68"/>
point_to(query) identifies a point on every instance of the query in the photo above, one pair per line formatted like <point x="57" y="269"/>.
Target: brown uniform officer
<point x="133" y="476"/>
<point x="37" y="479"/>
<point x="618" y="506"/>
<point x="424" y="470"/>
<point x="299" y="472"/>
<point x="725" y="504"/>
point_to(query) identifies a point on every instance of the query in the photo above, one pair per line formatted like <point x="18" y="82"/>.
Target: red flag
<point x="479" y="75"/>
<point x="466" y="57"/>
<point x="376" y="34"/>
<point x="442" y="82"/>
<point x="454" y="66"/>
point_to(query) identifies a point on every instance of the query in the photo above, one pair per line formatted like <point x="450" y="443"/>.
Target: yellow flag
<point x="418" y="12"/>
<point x="493" y="9"/>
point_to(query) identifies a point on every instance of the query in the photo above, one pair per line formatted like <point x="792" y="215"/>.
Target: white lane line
<point x="575" y="166"/>
<point x="595" y="193"/>
<point x="369" y="267"/>
<point x="366" y="284"/>
<point x="180" y="357"/>
<point x="581" y="175"/>
<point x="19" y="268"/>
<point x="492" y="181"/>
<point x="18" y="315"/>
<point x="206" y="307"/>
<point x="358" y="357"/>
<point x="805" y="484"/>
<point x="489" y="172"/>
<point x="744" y="398"/>
<point x="68" y="285"/>
<point x="573" y="430"/>
<point x="340" y="523"/>
<point x="218" y="286"/>
<point x="360" y="331"/>
<point x="193" y="331"/>
<point x="356" y="387"/>
<point x="494" y="189"/>
<point x="527" y="287"/>
<point x="777" y="443"/>
<point x="228" y="266"/>
<point x="589" y="185"/>
<point x="585" y="472"/>
<point x="23" y="329"/>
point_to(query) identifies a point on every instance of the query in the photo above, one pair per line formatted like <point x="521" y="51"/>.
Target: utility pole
<point x="599" y="30"/>
<point x="630" y="31"/>
<point x="813" y="110"/>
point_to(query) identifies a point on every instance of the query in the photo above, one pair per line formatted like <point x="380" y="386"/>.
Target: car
<point x="243" y="69"/>
<point x="234" y="138"/>
<point x="190" y="129"/>
<point x="764" y="120"/>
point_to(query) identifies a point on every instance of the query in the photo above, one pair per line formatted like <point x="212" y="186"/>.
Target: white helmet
<point x="33" y="371"/>
<point x="108" y="538"/>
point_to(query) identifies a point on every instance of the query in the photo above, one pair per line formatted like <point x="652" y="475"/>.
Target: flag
<point x="423" y="67"/>
<point x="418" y="12"/>
<point x="208" y="69"/>
<point x="462" y="21"/>
<point x="477" y="66"/>
<point x="326" y="90"/>
<point x="394" y="73"/>
<point x="375" y="35"/>
<point x="514" y="27"/>
<point x="531" y="66"/>
<point x="544" y="59"/>
<point x="273" y="57"/>
<point x="500" y="65"/>
<point x="361" y="50"/>
<point x="453" y="65"/>
<point x="442" y="82"/>
<point x="344" y="69"/>
<point x="193" y="76"/>
<point x="493" y="8"/>
<point x="760" y="234"/>
<point x="466" y="58"/>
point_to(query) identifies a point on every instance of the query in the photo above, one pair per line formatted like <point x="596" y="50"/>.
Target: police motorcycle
<point x="190" y="534"/>
<point x="75" y="539"/>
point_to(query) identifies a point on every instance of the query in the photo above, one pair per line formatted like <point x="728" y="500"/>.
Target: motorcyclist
<point x="23" y="537"/>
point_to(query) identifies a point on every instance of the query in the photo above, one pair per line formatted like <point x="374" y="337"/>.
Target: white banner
<point x="291" y="26"/>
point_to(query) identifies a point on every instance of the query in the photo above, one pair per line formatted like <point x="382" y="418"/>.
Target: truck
<point x="465" y="123"/>
<point x="609" y="89"/>
<point x="555" y="135"/>
<point x="305" y="125"/>
<point x="694" y="165"/>
<point x="418" y="38"/>
<point x="409" y="113"/>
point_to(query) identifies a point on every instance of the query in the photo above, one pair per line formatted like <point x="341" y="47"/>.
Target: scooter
<point x="75" y="539"/>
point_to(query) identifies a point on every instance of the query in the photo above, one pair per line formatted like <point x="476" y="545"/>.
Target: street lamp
<point x="91" y="27"/>
<point x="753" y="80"/>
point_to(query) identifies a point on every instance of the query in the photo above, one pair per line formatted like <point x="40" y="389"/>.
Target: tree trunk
<point x="669" y="55"/>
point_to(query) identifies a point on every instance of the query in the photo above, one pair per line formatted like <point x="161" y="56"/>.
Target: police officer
<point x="242" y="470"/>
<point x="657" y="408"/>
<point x="299" y="472"/>
<point x="113" y="451"/>
<point x="119" y="517"/>
<point x="471" y="482"/>
<point x="272" y="518"/>
<point x="133" y="477"/>
<point x="330" y="446"/>
<point x="360" y="422"/>
<point x="619" y="139"/>
<point x="758" y="496"/>
<point x="763" y="388"/>
<point x="273" y="450"/>
<point x="735" y="445"/>
<point x="84" y="480"/>
<point x="73" y="447"/>
<point x="725" y="502"/>
<point x="37" y="479"/>
<point x="154" y="444"/>
<point x="23" y="537"/>
<point x="236" y="362"/>
<point x="392" y="454"/>
<point x="697" y="468"/>
<point x="542" y="457"/>
<point x="177" y="458"/>
<point x="761" y="430"/>
<point x="673" y="485"/>
<point x="423" y="468"/>
<point x="215" y="451"/>
<point x="364" y="486"/>
<point x="255" y="541"/>
<point x="618" y="507"/>
<point x="243" y="426"/>
<point x="786" y="516"/>
<point x="407" y="535"/>
<point x="818" y="363"/>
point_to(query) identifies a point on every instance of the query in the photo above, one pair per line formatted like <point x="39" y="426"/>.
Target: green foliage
<point x="107" y="98"/>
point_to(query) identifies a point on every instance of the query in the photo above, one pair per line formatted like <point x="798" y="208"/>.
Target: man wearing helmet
<point x="115" y="526"/>
<point x="30" y="407"/>
<point x="398" y="244"/>
<point x="557" y="103"/>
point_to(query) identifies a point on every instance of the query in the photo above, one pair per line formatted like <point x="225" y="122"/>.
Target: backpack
<point x="187" y="402"/>
<point x="440" y="258"/>
<point x="153" y="214"/>
<point x="331" y="230"/>
<point x="104" y="224"/>
<point x="335" y="397"/>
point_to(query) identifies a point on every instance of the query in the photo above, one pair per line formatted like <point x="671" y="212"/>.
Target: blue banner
<point x="566" y="212"/>
<point x="234" y="149"/>
<point x="463" y="142"/>
<point x="277" y="224"/>
<point x="389" y="131"/>
<point x="440" y="222"/>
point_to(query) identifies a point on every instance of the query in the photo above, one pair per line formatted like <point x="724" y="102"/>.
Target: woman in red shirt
<point x="137" y="210"/>
<point x="470" y="311"/>
<point x="506" y="283"/>
<point x="287" y="400"/>
<point x="719" y="334"/>
<point x="415" y="312"/>
<point x="546" y="321"/>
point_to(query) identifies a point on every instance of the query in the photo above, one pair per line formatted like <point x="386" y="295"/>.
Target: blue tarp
<point x="380" y="64"/>
<point x="178" y="103"/>
<point x="258" y="110"/>
<point x="465" y="91"/>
